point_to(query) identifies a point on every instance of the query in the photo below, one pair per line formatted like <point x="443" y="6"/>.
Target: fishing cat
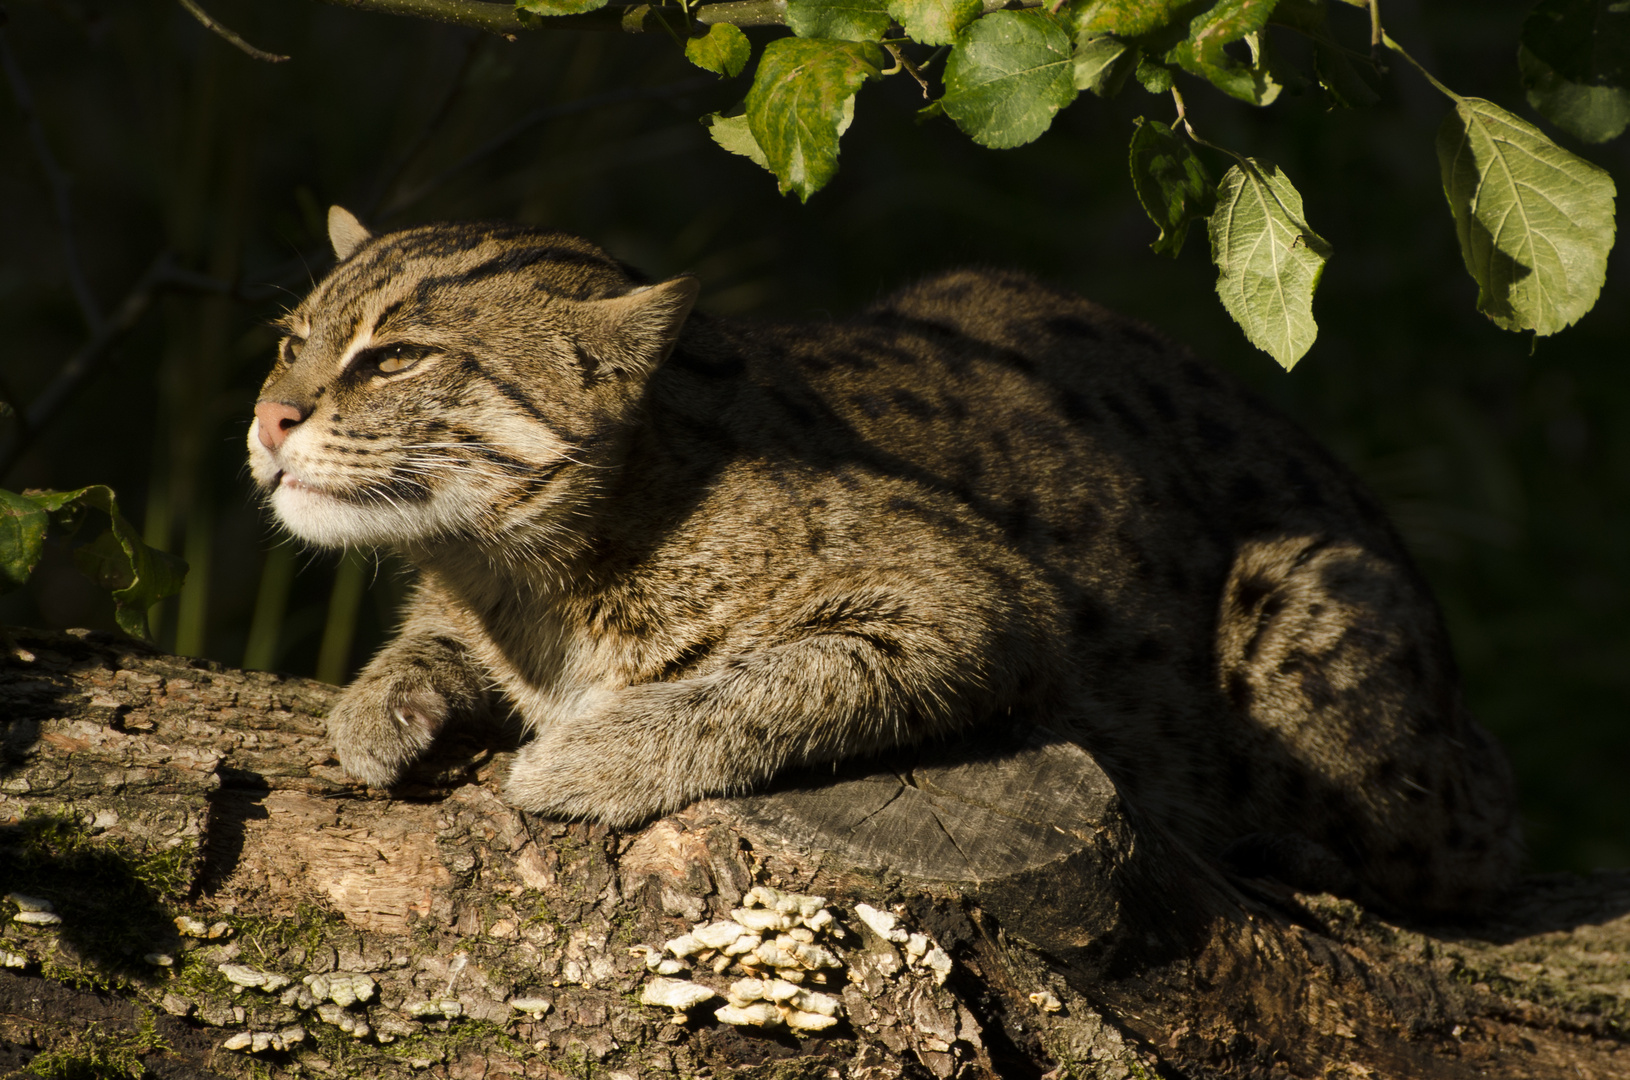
<point x="691" y="553"/>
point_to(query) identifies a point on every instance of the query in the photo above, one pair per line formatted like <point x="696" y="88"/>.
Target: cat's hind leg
<point x="1335" y="659"/>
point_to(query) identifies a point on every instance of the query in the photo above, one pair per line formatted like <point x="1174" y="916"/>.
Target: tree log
<point x="195" y="889"/>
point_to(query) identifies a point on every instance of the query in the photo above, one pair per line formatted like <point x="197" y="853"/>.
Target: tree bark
<point x="231" y="905"/>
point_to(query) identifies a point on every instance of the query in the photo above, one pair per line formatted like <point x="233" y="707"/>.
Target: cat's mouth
<point x="287" y="480"/>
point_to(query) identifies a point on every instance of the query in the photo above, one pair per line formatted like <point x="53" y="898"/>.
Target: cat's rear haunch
<point x="691" y="553"/>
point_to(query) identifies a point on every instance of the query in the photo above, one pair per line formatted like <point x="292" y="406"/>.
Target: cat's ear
<point x="633" y="333"/>
<point x="345" y="232"/>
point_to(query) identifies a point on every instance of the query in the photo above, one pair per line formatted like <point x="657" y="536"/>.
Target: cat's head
<point x="454" y="381"/>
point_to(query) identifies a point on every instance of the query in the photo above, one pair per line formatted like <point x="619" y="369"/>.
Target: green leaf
<point x="934" y="22"/>
<point x="1268" y="260"/>
<point x="1102" y="65"/>
<point x="1012" y="72"/>
<point x="117" y="559"/>
<point x="1153" y="76"/>
<point x="1171" y="182"/>
<point x="22" y="538"/>
<point x="1535" y="222"/>
<point x="845" y="20"/>
<point x="732" y="133"/>
<point x="723" y="50"/>
<point x="1203" y="53"/>
<point x="558" y="7"/>
<point x="1575" y="63"/>
<point x="1123" y="18"/>
<point x="802" y="100"/>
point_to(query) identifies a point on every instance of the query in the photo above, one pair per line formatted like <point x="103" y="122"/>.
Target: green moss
<point x="95" y="1053"/>
<point x="444" y="1045"/>
<point x="115" y="898"/>
<point x="310" y="928"/>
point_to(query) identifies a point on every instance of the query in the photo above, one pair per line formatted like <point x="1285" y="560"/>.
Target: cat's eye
<point x="396" y="360"/>
<point x="390" y="359"/>
<point x="289" y="348"/>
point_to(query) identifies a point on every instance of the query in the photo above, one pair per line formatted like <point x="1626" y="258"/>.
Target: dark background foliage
<point x="1506" y="464"/>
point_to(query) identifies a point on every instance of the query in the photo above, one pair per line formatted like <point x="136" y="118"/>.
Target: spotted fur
<point x="692" y="553"/>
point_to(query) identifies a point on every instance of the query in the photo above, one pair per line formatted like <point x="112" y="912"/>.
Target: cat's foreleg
<point x="392" y="711"/>
<point x="651" y="748"/>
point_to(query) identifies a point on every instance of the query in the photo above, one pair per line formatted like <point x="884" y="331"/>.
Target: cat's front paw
<point x="380" y="726"/>
<point x="579" y="778"/>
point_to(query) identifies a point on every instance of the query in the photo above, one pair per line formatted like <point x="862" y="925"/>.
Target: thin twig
<point x="1376" y="32"/>
<point x="160" y="277"/>
<point x="532" y="120"/>
<point x="903" y="63"/>
<point x="57" y="180"/>
<point x="1418" y="66"/>
<point x="210" y="24"/>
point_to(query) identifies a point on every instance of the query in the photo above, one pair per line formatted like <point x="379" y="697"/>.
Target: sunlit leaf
<point x="558" y="7"/>
<point x="1268" y="259"/>
<point x="934" y="22"/>
<point x="846" y="20"/>
<point x="1535" y="222"/>
<point x="732" y="133"/>
<point x="1123" y="18"/>
<point x="1203" y="53"/>
<point x="1575" y="62"/>
<point x="1171" y="182"/>
<point x="1102" y="65"/>
<point x="723" y="50"/>
<point x="116" y="558"/>
<point x="1010" y="75"/>
<point x="1153" y="76"/>
<point x="22" y="538"/>
<point x="802" y="100"/>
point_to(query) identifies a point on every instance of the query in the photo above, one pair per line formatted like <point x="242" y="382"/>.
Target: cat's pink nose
<point x="277" y="419"/>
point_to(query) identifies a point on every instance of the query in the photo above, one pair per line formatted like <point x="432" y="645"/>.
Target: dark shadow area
<point x="112" y="902"/>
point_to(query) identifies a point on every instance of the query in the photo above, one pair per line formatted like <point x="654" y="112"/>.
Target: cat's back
<point x="1065" y="425"/>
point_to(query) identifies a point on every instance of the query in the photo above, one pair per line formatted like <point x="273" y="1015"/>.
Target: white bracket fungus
<point x="350" y="1023"/>
<point x="1046" y="1001"/>
<point x="533" y="1007"/>
<point x="341" y="987"/>
<point x="772" y="939"/>
<point x="258" y="1042"/>
<point x="920" y="950"/>
<point x="37" y="918"/>
<point x="882" y="924"/>
<point x="30" y="903"/>
<point x="188" y="926"/>
<point x="680" y="995"/>
<point x="246" y="976"/>
<point x="446" y="1009"/>
<point x="773" y="1002"/>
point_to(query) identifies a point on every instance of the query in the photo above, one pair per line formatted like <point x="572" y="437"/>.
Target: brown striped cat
<point x="691" y="553"/>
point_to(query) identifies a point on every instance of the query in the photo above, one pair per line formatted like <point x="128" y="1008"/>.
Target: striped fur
<point x="690" y="553"/>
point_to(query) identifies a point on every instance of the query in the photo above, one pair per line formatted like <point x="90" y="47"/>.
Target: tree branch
<point x="210" y="24"/>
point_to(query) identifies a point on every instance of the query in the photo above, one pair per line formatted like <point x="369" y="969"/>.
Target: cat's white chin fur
<point x="327" y="521"/>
